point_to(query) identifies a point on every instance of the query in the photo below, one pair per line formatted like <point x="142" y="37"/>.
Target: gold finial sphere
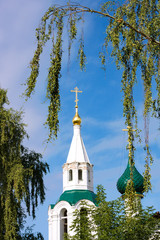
<point x="76" y="120"/>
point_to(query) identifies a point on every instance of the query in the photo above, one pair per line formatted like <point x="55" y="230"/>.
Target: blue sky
<point x="100" y="105"/>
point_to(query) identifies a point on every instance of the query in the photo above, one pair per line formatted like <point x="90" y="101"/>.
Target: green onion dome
<point x="138" y="180"/>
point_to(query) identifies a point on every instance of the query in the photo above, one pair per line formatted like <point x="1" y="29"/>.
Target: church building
<point x="77" y="184"/>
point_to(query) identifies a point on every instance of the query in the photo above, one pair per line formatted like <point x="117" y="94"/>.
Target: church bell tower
<point x="77" y="183"/>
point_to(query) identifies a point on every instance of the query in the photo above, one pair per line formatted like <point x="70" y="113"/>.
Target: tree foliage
<point x="22" y="171"/>
<point x="29" y="235"/>
<point x="109" y="221"/>
<point x="132" y="28"/>
<point x="83" y="223"/>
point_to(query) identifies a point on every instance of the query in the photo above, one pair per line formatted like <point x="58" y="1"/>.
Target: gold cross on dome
<point x="129" y="129"/>
<point x="76" y="90"/>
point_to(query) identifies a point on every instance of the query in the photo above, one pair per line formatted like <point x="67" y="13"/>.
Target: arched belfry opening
<point x="80" y="177"/>
<point x="83" y="216"/>
<point x="63" y="223"/>
<point x="70" y="175"/>
<point x="89" y="176"/>
<point x="83" y="213"/>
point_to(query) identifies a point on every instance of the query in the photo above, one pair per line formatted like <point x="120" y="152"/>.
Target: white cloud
<point x="107" y="143"/>
<point x="19" y="20"/>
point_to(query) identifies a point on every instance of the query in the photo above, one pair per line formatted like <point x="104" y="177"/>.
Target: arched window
<point x="84" y="224"/>
<point x="83" y="212"/>
<point x="70" y="175"/>
<point x="89" y="176"/>
<point x="63" y="223"/>
<point x="80" y="174"/>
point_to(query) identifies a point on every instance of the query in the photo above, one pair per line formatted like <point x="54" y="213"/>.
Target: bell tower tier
<point x="77" y="176"/>
<point x="77" y="171"/>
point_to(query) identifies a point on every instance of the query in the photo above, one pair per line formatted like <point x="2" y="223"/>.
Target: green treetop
<point x="21" y="175"/>
<point x="109" y="221"/>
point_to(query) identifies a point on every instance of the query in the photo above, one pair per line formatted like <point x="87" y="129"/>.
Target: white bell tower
<point x="77" y="183"/>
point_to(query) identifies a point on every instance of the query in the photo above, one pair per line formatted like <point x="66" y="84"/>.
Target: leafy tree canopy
<point x="109" y="221"/>
<point x="28" y="235"/>
<point x="21" y="174"/>
<point x="132" y="28"/>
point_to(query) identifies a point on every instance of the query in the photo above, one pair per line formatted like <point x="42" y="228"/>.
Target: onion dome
<point x="138" y="180"/>
<point x="76" y="120"/>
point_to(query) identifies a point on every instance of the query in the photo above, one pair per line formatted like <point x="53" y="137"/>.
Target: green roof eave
<point x="52" y="206"/>
<point x="73" y="196"/>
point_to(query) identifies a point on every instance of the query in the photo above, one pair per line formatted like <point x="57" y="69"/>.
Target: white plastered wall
<point x="87" y="176"/>
<point x="54" y="219"/>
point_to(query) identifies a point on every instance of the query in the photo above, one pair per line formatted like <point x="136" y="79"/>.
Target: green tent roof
<point x="137" y="180"/>
<point x="73" y="196"/>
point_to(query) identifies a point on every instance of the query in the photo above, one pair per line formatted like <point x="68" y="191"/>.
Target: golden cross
<point x="76" y="90"/>
<point x="129" y="130"/>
